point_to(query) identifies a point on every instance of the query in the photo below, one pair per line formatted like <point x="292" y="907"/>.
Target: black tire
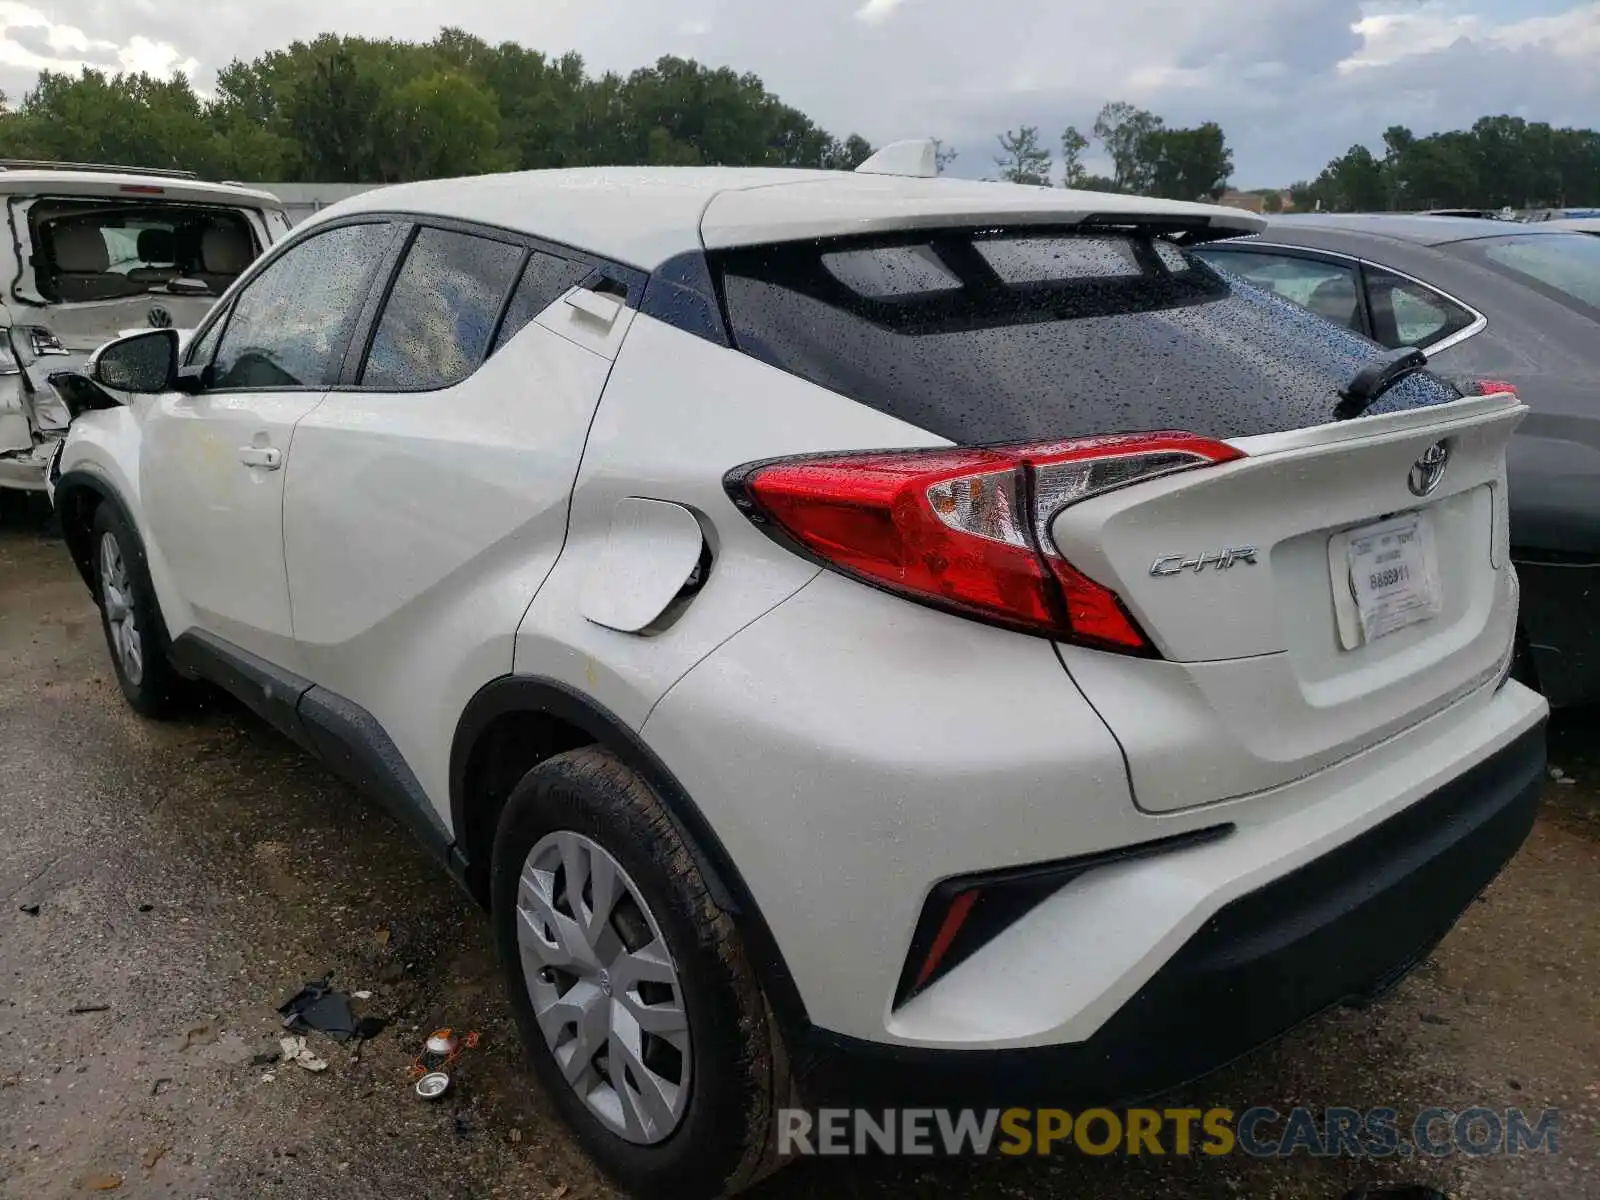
<point x="723" y="1141"/>
<point x="155" y="689"/>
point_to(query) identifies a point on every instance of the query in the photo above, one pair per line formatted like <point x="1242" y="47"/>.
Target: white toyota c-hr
<point x="859" y="635"/>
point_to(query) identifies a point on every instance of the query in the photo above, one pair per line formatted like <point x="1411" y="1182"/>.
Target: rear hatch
<point x="1302" y="590"/>
<point x="94" y="266"/>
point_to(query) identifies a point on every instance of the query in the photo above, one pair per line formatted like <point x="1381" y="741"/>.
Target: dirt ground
<point x="189" y="877"/>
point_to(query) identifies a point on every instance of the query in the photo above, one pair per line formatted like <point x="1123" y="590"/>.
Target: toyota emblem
<point x="1428" y="470"/>
<point x="160" y="318"/>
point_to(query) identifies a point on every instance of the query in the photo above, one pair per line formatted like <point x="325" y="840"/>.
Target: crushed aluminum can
<point x="433" y="1085"/>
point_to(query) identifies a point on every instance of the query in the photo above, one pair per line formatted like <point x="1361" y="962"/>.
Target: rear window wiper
<point x="1376" y="378"/>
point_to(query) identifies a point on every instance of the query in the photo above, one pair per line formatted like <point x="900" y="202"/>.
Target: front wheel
<point x="632" y="989"/>
<point x="130" y="618"/>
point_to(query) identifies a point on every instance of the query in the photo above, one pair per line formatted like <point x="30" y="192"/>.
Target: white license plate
<point x="1392" y="571"/>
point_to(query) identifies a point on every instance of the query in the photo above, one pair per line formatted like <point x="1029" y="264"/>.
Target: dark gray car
<point x="1486" y="300"/>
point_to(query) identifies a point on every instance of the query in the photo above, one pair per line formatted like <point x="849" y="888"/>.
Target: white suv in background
<point x="858" y="635"/>
<point x="87" y="252"/>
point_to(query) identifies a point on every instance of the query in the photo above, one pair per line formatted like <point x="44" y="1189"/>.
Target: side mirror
<point x="142" y="363"/>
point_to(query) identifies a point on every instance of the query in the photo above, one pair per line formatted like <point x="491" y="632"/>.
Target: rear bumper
<point x="1343" y="927"/>
<point x="1560" y="603"/>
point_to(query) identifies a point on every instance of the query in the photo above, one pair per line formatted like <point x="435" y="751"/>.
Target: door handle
<point x="268" y="458"/>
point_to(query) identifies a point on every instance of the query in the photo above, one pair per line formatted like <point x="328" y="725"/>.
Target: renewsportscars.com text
<point x="1260" y="1132"/>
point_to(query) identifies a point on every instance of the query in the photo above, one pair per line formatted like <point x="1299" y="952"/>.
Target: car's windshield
<point x="93" y="250"/>
<point x="1568" y="263"/>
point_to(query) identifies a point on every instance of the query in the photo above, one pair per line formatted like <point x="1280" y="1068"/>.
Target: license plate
<point x="1392" y="570"/>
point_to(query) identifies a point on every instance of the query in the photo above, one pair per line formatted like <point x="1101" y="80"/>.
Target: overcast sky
<point x="1293" y="82"/>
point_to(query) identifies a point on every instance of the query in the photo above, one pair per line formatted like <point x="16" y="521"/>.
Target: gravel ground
<point x="190" y="876"/>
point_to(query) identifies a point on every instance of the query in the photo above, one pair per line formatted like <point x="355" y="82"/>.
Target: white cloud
<point x="875" y="12"/>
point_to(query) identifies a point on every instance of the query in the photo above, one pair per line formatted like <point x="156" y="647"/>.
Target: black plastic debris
<point x="321" y="1007"/>
<point x="31" y="909"/>
<point x="1404" y="1191"/>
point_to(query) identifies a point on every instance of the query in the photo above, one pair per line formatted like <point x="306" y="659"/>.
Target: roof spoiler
<point x="916" y="158"/>
<point x="34" y="164"/>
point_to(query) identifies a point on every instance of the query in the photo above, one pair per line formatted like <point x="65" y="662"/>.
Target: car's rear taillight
<point x="968" y="530"/>
<point x="1484" y="387"/>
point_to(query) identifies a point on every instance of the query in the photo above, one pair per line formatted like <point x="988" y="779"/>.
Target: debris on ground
<point x="440" y="1051"/>
<point x="31" y="909"/>
<point x="433" y="1085"/>
<point x="321" y="1007"/>
<point x="294" y="1051"/>
<point x="79" y="1009"/>
<point x="154" y="1155"/>
<point x="1404" y="1191"/>
<point x="102" y="1181"/>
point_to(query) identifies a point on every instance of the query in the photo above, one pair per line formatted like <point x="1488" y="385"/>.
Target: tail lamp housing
<point x="967" y="529"/>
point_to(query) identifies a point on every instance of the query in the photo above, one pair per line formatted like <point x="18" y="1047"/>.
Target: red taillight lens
<point x="1484" y="387"/>
<point x="968" y="529"/>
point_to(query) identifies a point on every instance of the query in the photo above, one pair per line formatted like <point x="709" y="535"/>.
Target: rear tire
<point x="135" y="633"/>
<point x="714" y="1078"/>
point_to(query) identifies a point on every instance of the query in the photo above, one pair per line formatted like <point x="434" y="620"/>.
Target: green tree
<point x="1073" y="144"/>
<point x="1126" y="133"/>
<point x="848" y="154"/>
<point x="1186" y="164"/>
<point x="1022" y="158"/>
<point x="442" y="123"/>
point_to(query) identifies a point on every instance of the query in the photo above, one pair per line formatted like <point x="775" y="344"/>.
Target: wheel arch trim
<point x="538" y="696"/>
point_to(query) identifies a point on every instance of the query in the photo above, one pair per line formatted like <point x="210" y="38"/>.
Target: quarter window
<point x="291" y="325"/>
<point x="441" y="314"/>
<point x="544" y="278"/>
<point x="1405" y="313"/>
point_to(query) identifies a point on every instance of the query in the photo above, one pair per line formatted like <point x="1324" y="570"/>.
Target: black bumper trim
<point x="1343" y="928"/>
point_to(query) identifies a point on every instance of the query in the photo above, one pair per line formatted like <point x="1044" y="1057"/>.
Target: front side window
<point x="1404" y="313"/>
<point x="441" y="314"/>
<point x="86" y="251"/>
<point x="1326" y="288"/>
<point x="292" y="323"/>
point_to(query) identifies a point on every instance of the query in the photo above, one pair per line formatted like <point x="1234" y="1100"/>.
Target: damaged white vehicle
<point x="89" y="252"/>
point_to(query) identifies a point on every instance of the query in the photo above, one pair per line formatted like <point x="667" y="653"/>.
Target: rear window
<point x="985" y="336"/>
<point x="1566" y="264"/>
<point x="110" y="251"/>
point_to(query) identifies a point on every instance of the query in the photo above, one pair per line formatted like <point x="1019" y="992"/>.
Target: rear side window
<point x="1046" y="334"/>
<point x="441" y="313"/>
<point x="544" y="278"/>
<point x="1328" y="289"/>
<point x="1565" y="264"/>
